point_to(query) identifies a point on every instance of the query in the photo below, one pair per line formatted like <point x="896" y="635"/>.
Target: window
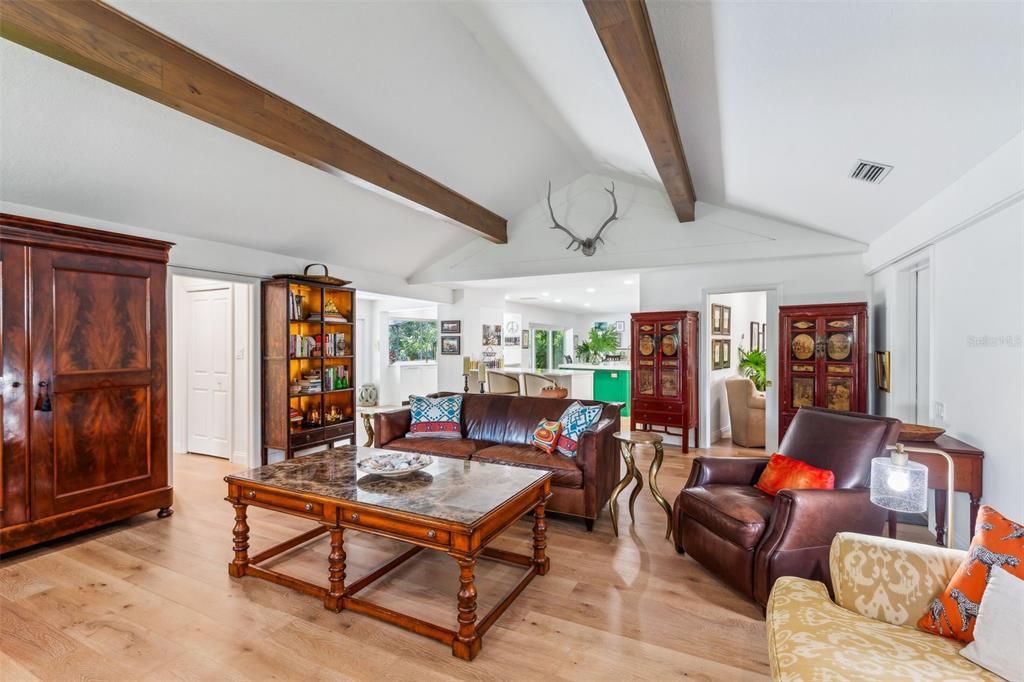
<point x="548" y="348"/>
<point x="412" y="340"/>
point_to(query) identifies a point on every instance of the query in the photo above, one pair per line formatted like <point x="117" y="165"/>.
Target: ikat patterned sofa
<point x="882" y="586"/>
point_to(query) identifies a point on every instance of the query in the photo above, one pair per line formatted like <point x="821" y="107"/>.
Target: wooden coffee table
<point x="454" y="506"/>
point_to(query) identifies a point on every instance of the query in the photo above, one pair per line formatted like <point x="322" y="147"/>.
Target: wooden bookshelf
<point x="308" y="341"/>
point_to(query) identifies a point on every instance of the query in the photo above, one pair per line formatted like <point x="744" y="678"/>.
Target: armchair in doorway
<point x="746" y="412"/>
<point x="748" y="538"/>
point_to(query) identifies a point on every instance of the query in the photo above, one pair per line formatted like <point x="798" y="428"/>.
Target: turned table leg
<point x="540" y="540"/>
<point x="467" y="642"/>
<point x="334" y="599"/>
<point x="659" y="455"/>
<point x="240" y="532"/>
<point x="940" y="518"/>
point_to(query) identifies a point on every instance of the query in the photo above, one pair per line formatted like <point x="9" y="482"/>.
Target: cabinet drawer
<point x="662" y="418"/>
<point x="657" y="406"/>
<point x="306" y="437"/>
<point x="283" y="501"/>
<point x="401" y="529"/>
<point x="339" y="431"/>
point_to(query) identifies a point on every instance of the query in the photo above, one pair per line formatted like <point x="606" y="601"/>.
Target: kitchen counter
<point x="580" y="383"/>
<point x="611" y="381"/>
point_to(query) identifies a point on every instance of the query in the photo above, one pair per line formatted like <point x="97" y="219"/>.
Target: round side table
<point x="628" y="440"/>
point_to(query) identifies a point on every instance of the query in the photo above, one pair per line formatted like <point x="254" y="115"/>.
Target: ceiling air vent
<point x="870" y="171"/>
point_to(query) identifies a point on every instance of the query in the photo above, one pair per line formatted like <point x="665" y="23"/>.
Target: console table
<point x="967" y="474"/>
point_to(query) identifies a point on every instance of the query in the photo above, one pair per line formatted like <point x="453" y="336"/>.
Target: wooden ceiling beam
<point x="625" y="31"/>
<point x="99" y="40"/>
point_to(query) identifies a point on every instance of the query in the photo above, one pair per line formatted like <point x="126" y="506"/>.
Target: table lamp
<point x="900" y="485"/>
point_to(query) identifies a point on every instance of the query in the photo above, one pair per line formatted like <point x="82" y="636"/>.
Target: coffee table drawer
<point x="400" y="529"/>
<point x="283" y="502"/>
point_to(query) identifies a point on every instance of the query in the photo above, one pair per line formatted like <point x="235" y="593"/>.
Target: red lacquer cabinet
<point x="664" y="368"/>
<point x="823" y="358"/>
<point x="84" y="357"/>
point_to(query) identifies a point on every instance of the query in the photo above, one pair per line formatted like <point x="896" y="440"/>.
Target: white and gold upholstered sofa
<point x="882" y="586"/>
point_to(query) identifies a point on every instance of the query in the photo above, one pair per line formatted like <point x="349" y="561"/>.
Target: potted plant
<point x="754" y="366"/>
<point x="599" y="343"/>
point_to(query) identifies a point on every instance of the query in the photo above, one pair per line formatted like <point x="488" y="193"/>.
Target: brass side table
<point x="628" y="440"/>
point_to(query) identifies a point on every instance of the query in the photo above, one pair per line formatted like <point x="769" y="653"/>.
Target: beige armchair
<point x="501" y="383"/>
<point x="746" y="412"/>
<point x="533" y="384"/>
<point x="882" y="586"/>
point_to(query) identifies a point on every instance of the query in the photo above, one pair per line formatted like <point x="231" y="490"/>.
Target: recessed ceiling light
<point x="558" y="300"/>
<point x="586" y="305"/>
<point x="507" y="297"/>
<point x="591" y="290"/>
<point x="627" y="282"/>
<point x="545" y="293"/>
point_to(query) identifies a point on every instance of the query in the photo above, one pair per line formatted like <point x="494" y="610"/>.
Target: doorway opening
<point x="213" y="342"/>
<point x="738" y="332"/>
<point x="550" y="349"/>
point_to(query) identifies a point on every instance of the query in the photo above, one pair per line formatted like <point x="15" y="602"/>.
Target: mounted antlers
<point x="589" y="245"/>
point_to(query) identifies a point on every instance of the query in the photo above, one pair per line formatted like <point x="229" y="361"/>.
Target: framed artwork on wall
<point x="721" y="353"/>
<point x="451" y="326"/>
<point x="883" y="371"/>
<point x="526" y="339"/>
<point x="716" y="318"/>
<point x="755" y="336"/>
<point x="491" y="335"/>
<point x="726" y="320"/>
<point x="761" y="337"/>
<point x="451" y="345"/>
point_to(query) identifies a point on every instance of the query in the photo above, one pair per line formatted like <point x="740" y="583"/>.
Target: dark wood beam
<point x="625" y="31"/>
<point x="99" y="40"/>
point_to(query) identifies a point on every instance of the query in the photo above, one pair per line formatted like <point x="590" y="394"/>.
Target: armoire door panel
<point x="96" y="348"/>
<point x="101" y="439"/>
<point x="101" y="319"/>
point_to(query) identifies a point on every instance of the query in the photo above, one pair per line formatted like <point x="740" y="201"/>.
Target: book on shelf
<point x="334" y="345"/>
<point x="300" y="346"/>
<point x="327" y="317"/>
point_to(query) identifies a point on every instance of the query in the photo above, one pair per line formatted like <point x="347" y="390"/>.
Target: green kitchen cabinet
<point x="612" y="385"/>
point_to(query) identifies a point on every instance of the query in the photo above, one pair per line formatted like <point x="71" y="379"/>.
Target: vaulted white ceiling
<point x="774" y="101"/>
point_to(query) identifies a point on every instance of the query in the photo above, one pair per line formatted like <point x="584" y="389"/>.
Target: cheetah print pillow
<point x="998" y="543"/>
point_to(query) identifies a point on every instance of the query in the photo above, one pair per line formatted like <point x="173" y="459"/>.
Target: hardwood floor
<point x="151" y="599"/>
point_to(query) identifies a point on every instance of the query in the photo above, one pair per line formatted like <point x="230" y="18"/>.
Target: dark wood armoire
<point x="84" y="385"/>
<point x="823" y="358"/>
<point x="665" y="373"/>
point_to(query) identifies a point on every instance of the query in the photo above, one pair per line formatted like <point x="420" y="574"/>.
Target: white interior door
<point x="209" y="371"/>
<point x="923" y="334"/>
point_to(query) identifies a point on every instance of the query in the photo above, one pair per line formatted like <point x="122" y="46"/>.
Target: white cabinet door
<point x="209" y="371"/>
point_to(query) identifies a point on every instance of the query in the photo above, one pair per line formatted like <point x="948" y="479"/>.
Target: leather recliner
<point x="749" y="538"/>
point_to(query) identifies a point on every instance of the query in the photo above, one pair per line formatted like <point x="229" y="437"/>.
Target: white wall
<point x="745" y="307"/>
<point x="241" y="375"/>
<point x="971" y="236"/>
<point x="977" y="350"/>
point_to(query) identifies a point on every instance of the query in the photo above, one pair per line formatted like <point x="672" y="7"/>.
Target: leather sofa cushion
<point x="511" y="419"/>
<point x="737" y="513"/>
<point x="446" y="447"/>
<point x="566" y="472"/>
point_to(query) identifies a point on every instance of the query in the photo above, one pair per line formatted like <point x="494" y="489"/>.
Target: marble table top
<point x="450" y="489"/>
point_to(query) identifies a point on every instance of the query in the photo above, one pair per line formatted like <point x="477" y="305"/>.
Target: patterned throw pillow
<point x="786" y="472"/>
<point x="576" y="419"/>
<point x="998" y="543"/>
<point x="435" y="417"/>
<point x="545" y="436"/>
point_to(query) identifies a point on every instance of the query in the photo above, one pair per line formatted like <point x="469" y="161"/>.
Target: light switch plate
<point x="940" y="411"/>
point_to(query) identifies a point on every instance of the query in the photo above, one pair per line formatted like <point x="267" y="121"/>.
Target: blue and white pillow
<point x="435" y="417"/>
<point x="576" y="419"/>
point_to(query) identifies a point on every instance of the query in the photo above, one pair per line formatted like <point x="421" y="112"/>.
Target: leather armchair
<point x="749" y="538"/>
<point x="746" y="412"/>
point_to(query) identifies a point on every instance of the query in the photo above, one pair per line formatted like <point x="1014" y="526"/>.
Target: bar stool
<point x="628" y="440"/>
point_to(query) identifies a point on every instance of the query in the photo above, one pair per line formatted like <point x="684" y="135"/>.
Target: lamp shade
<point x="899" y="487"/>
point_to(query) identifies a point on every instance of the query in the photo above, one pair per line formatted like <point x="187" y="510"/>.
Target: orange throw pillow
<point x="545" y="436"/>
<point x="786" y="472"/>
<point x="998" y="543"/>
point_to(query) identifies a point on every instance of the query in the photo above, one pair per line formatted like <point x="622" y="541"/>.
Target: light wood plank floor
<point x="151" y="599"/>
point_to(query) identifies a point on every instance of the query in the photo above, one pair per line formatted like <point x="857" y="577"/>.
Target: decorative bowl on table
<point x="394" y="464"/>
<point x="920" y="433"/>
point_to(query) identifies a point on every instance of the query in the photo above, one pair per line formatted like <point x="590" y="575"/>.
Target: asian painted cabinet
<point x="84" y="357"/>
<point x="665" y="373"/>
<point x="823" y="358"/>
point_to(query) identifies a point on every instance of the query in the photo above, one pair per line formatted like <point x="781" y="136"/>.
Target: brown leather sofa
<point x="750" y="539"/>
<point x="499" y="428"/>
